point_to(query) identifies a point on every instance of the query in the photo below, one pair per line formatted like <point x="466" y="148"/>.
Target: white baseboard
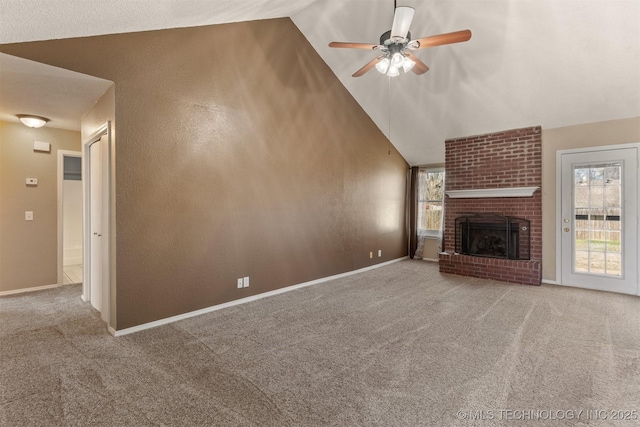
<point x="431" y="259"/>
<point x="550" y="282"/>
<point x="127" y="331"/>
<point x="21" y="291"/>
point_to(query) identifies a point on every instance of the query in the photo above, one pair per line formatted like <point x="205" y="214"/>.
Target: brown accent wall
<point x="239" y="153"/>
<point x="28" y="249"/>
<point x="497" y="160"/>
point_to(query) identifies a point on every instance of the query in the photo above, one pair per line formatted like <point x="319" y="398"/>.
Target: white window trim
<point x="433" y="234"/>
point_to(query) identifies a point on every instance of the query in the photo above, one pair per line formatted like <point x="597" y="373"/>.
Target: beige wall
<point x="235" y="162"/>
<point x="28" y="249"/>
<point x="581" y="136"/>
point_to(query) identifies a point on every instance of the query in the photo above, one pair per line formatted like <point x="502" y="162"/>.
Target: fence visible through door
<point x="599" y="219"/>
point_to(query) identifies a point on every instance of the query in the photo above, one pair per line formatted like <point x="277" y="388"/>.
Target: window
<point x="430" y="200"/>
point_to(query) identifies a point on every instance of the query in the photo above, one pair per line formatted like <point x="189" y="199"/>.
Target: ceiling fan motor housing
<point x="385" y="39"/>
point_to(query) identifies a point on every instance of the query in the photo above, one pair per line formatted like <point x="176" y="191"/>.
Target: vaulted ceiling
<point x="545" y="62"/>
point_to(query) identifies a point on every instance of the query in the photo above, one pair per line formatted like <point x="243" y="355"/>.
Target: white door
<point x="96" y="193"/>
<point x="599" y="220"/>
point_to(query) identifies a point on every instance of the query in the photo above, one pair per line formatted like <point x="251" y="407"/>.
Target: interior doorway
<point x="70" y="205"/>
<point x="598" y="218"/>
<point x="96" y="230"/>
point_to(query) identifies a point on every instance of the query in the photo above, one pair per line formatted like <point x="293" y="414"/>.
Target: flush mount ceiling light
<point x="32" y="121"/>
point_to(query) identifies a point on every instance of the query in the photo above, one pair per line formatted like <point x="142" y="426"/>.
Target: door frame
<point x="61" y="155"/>
<point x="106" y="215"/>
<point x="559" y="154"/>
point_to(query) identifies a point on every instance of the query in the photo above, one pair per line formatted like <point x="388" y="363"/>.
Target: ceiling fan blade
<point x="442" y="39"/>
<point x="420" y="67"/>
<point x="401" y="22"/>
<point x="353" y="45"/>
<point x="367" y="67"/>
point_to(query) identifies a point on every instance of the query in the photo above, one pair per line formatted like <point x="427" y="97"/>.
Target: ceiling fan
<point x="396" y="46"/>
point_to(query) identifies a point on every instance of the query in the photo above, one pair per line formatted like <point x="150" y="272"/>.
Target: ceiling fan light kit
<point x="396" y="46"/>
<point x="407" y="64"/>
<point x="393" y="71"/>
<point x="391" y="67"/>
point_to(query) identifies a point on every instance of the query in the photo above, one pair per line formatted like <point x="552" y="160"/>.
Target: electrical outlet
<point x="240" y="283"/>
<point x="246" y="282"/>
<point x="28" y="216"/>
<point x="379" y="253"/>
<point x="370" y="254"/>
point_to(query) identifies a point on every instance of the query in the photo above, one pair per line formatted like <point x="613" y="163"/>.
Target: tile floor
<point x="72" y="274"/>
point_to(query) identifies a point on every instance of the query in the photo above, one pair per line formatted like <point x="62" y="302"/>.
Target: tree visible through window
<point x="430" y="200"/>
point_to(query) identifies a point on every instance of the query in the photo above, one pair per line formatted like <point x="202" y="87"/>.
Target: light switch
<point x="32" y="181"/>
<point x="28" y="216"/>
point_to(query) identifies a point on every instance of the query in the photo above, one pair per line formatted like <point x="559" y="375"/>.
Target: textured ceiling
<point x="545" y="62"/>
<point x="29" y="20"/>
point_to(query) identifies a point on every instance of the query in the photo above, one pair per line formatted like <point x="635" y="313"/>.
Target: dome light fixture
<point x="32" y="121"/>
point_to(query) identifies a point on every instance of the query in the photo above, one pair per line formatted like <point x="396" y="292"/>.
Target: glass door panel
<point x="599" y="220"/>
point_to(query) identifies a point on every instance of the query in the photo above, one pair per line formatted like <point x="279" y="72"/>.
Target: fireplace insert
<point x="493" y="236"/>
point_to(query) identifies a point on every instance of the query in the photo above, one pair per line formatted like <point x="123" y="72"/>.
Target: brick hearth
<point x="498" y="160"/>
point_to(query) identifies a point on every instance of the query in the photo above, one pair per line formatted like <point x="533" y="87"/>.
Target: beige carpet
<point x="400" y="345"/>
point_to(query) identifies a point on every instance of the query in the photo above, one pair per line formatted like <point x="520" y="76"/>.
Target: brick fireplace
<point x="494" y="174"/>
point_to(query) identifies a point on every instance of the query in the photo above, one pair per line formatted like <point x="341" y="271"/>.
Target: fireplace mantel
<point x="492" y="192"/>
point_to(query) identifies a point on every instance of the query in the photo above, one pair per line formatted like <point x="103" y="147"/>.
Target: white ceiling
<point x="530" y="62"/>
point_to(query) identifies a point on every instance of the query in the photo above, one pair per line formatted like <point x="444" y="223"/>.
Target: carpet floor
<point x="399" y="345"/>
